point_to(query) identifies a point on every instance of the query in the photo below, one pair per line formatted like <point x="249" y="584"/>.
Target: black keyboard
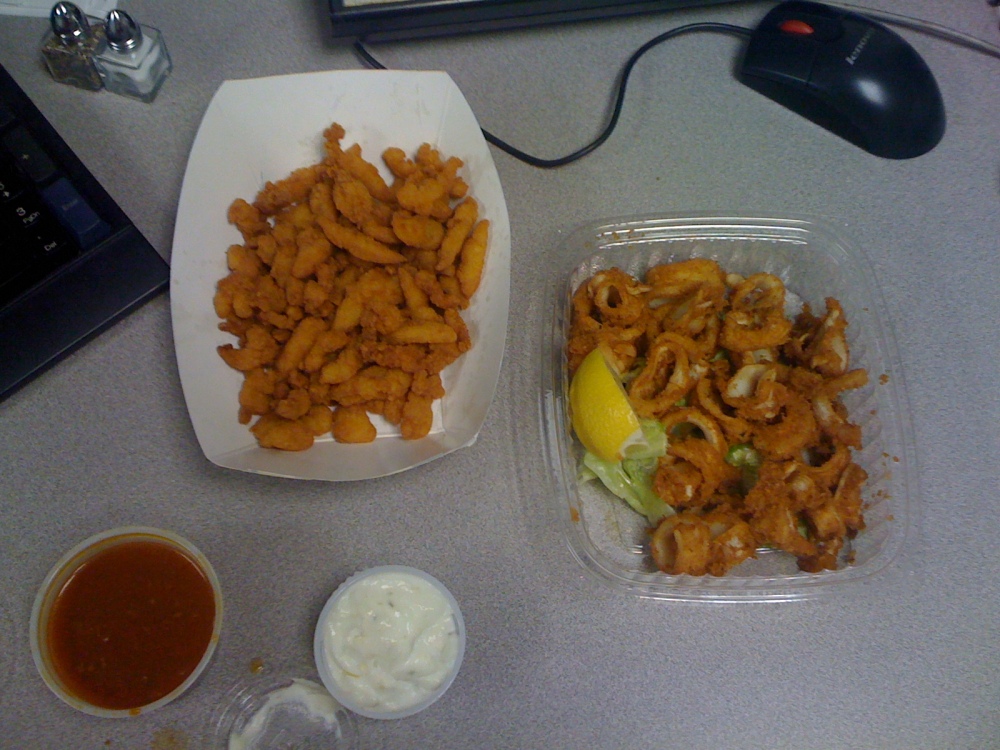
<point x="380" y="21"/>
<point x="71" y="262"/>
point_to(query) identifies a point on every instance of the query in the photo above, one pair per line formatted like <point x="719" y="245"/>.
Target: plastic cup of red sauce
<point x="126" y="621"/>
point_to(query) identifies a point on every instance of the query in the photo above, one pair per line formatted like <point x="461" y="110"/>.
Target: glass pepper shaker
<point x="69" y="47"/>
<point x="132" y="59"/>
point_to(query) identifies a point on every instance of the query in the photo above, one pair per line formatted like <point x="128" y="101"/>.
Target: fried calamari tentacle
<point x="694" y="469"/>
<point x="847" y="497"/>
<point x="790" y="430"/>
<point x="832" y="418"/>
<point x="821" y="343"/>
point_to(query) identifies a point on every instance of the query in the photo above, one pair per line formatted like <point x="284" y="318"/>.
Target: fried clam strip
<point x="343" y="299"/>
<point x="759" y="441"/>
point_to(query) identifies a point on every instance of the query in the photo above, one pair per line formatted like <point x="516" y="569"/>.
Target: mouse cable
<point x="928" y="27"/>
<point x="535" y="161"/>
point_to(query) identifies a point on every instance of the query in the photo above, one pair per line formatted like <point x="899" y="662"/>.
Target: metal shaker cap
<point x="123" y="34"/>
<point x="69" y="23"/>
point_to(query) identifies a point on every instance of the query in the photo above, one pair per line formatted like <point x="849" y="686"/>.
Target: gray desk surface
<point x="554" y="660"/>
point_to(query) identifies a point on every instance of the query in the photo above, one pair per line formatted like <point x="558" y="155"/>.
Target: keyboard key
<point x="29" y="157"/>
<point x="31" y="246"/>
<point x="23" y="212"/>
<point x="51" y="246"/>
<point x="11" y="184"/>
<point x="74" y="213"/>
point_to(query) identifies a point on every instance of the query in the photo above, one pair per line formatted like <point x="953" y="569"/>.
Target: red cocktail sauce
<point x="131" y="624"/>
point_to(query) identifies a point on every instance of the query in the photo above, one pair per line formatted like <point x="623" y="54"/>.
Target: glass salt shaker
<point x="133" y="60"/>
<point x="69" y="47"/>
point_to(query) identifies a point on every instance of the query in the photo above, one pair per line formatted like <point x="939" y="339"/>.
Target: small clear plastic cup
<point x="283" y="706"/>
<point x="333" y="677"/>
<point x="63" y="571"/>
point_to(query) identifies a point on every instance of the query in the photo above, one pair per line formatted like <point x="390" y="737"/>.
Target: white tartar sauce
<point x="390" y="640"/>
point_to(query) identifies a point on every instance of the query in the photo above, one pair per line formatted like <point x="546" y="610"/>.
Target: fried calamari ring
<point x="709" y="399"/>
<point x="611" y="297"/>
<point x="756" y="318"/>
<point x="688" y="543"/>
<point x="733" y="540"/>
<point x="608" y="310"/>
<point x="667" y="375"/>
<point x="691" y="473"/>
<point x="691" y="417"/>
<point x="826" y="461"/>
<point x="622" y="344"/>
<point x="682" y="544"/>
<point x="686" y="297"/>
<point x="617" y="297"/>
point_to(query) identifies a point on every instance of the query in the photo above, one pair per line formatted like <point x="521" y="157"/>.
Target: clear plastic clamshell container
<point x="608" y="538"/>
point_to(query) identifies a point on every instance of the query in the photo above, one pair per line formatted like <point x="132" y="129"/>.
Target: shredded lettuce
<point x="745" y="458"/>
<point x="632" y="478"/>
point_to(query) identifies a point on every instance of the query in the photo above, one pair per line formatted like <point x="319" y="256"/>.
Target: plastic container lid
<point x="435" y="635"/>
<point x="282" y="708"/>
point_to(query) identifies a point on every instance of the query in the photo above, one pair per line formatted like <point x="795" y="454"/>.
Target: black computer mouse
<point x="848" y="74"/>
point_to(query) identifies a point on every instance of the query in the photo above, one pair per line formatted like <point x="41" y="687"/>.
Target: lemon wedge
<point x="602" y="417"/>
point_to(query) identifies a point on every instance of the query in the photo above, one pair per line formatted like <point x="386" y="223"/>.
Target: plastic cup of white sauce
<point x="389" y="642"/>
